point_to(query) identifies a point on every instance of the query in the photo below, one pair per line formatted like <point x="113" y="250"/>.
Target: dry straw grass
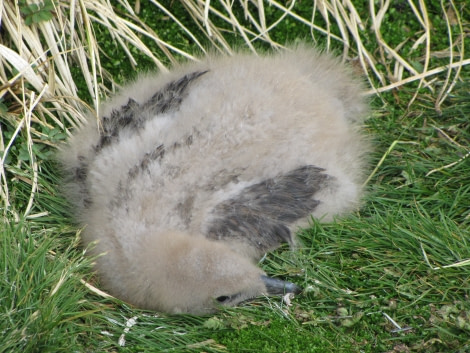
<point x="37" y="87"/>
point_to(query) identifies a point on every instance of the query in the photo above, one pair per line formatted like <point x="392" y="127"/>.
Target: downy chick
<point x="193" y="175"/>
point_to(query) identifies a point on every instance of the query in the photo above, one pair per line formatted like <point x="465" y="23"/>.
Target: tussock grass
<point x="391" y="278"/>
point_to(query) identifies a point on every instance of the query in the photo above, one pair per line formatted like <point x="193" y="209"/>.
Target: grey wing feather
<point x="133" y="115"/>
<point x="261" y="213"/>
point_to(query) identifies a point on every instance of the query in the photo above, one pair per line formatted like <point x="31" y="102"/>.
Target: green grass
<point x="388" y="259"/>
<point x="393" y="277"/>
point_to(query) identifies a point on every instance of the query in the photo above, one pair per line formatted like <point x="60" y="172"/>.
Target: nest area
<point x="395" y="278"/>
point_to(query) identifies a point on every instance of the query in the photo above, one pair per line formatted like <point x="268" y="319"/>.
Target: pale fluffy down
<point x="192" y="176"/>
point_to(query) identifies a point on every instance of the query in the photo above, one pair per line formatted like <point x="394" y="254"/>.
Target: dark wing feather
<point x="260" y="214"/>
<point x="132" y="116"/>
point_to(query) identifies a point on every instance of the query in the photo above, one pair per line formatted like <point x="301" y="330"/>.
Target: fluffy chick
<point x="193" y="175"/>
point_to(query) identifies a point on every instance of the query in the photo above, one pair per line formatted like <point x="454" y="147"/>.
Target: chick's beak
<point x="276" y="286"/>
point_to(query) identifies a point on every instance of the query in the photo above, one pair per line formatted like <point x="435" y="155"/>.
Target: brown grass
<point x="37" y="85"/>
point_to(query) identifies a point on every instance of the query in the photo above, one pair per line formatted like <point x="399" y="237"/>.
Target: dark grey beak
<point x="276" y="286"/>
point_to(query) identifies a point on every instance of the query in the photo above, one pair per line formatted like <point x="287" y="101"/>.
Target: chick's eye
<point x="222" y="299"/>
